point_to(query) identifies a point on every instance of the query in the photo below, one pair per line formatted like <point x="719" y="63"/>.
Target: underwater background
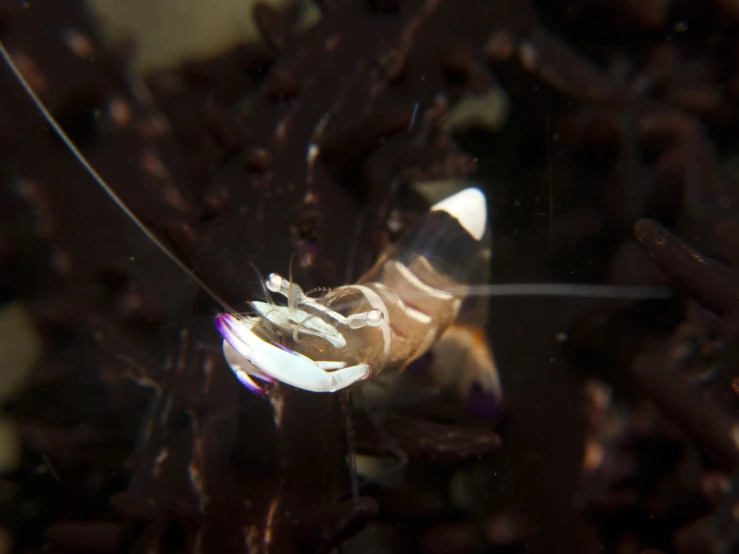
<point x="603" y="133"/>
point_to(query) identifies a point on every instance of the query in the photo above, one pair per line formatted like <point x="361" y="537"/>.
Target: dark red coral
<point x="155" y="445"/>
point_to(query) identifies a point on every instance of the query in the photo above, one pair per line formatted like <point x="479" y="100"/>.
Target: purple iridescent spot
<point x="421" y="367"/>
<point x="222" y="324"/>
<point x="483" y="404"/>
<point x="224" y="329"/>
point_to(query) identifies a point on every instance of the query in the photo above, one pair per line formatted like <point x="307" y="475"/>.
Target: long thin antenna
<point x="262" y="283"/>
<point x="570" y="290"/>
<point x="103" y="184"/>
<point x="532" y="289"/>
<point x="561" y="290"/>
<point x="550" y="175"/>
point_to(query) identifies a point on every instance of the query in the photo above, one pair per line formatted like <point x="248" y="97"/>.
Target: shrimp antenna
<point x="290" y="267"/>
<point x="571" y="290"/>
<point x="262" y="282"/>
<point x="291" y="296"/>
<point x="103" y="184"/>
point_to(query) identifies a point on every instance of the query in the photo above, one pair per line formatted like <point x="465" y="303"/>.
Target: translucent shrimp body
<point x="395" y="313"/>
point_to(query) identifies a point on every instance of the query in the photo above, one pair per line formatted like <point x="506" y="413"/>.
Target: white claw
<point x="330" y="366"/>
<point x="244" y="370"/>
<point x="247" y="354"/>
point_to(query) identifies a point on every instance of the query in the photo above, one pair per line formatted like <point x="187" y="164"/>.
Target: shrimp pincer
<point x="250" y="356"/>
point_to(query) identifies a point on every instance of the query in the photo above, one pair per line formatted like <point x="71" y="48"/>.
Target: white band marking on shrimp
<point x="413" y="279"/>
<point x="417" y="314"/>
<point x="378" y="304"/>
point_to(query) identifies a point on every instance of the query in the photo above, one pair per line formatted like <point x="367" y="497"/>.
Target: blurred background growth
<point x="603" y="133"/>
